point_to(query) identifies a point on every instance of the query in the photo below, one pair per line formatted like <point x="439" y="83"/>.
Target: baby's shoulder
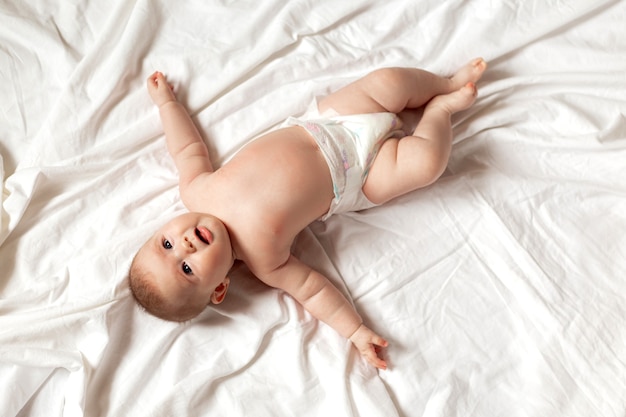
<point x="264" y="252"/>
<point x="195" y="193"/>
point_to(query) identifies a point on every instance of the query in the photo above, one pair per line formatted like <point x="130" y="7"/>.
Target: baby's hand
<point x="368" y="343"/>
<point x="160" y="91"/>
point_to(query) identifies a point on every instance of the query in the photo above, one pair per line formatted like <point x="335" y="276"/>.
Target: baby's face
<point x="190" y="254"/>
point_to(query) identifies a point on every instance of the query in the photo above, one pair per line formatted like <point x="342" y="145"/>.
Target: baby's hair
<point x="148" y="297"/>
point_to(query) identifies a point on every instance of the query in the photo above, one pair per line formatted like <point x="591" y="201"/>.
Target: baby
<point x="350" y="155"/>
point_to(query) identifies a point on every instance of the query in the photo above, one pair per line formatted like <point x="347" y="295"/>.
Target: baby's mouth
<point x="204" y="235"/>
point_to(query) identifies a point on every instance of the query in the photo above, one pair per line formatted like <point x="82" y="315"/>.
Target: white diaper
<point x="349" y="145"/>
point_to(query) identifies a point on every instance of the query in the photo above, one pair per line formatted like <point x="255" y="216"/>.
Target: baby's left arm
<point x="326" y="303"/>
<point x="184" y="142"/>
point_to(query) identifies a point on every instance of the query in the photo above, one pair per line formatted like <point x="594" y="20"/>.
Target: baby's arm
<point x="184" y="142"/>
<point x="326" y="303"/>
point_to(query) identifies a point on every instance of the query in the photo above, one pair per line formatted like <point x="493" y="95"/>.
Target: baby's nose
<point x="188" y="244"/>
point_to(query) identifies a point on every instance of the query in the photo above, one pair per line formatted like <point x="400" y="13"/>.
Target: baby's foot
<point x="456" y="101"/>
<point x="470" y="73"/>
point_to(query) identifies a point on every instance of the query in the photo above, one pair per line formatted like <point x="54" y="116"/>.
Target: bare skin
<point x="252" y="208"/>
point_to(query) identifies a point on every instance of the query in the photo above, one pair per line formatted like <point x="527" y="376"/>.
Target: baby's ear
<point x="220" y="291"/>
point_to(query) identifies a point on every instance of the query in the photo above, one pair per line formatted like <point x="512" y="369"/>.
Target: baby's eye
<point x="186" y="269"/>
<point x="167" y="244"/>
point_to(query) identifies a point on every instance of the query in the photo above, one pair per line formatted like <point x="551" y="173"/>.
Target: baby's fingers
<point x="379" y="341"/>
<point x="157" y="79"/>
<point x="369" y="344"/>
<point x="153" y="79"/>
<point x="160" y="90"/>
<point x="372" y="357"/>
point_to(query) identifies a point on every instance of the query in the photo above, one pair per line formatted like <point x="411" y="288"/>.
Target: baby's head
<point x="183" y="267"/>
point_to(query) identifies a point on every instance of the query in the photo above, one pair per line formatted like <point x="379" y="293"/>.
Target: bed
<point x="501" y="288"/>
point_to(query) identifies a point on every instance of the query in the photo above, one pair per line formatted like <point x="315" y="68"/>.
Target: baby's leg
<point x="395" y="89"/>
<point x="404" y="165"/>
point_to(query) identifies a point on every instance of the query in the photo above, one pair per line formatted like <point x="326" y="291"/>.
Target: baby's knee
<point x="386" y="79"/>
<point x="388" y="87"/>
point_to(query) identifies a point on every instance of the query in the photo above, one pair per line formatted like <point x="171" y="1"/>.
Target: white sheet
<point x="502" y="288"/>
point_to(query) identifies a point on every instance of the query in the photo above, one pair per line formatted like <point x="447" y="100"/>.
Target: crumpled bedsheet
<point x="501" y="287"/>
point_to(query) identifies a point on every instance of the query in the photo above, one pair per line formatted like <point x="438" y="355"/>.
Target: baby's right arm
<point x="184" y="142"/>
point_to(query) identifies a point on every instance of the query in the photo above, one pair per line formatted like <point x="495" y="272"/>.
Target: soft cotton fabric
<point x="501" y="288"/>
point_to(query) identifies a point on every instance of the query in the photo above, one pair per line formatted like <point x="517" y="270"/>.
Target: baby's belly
<point x="284" y="172"/>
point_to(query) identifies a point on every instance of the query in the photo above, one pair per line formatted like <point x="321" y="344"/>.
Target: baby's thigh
<point x="401" y="166"/>
<point x="382" y="183"/>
